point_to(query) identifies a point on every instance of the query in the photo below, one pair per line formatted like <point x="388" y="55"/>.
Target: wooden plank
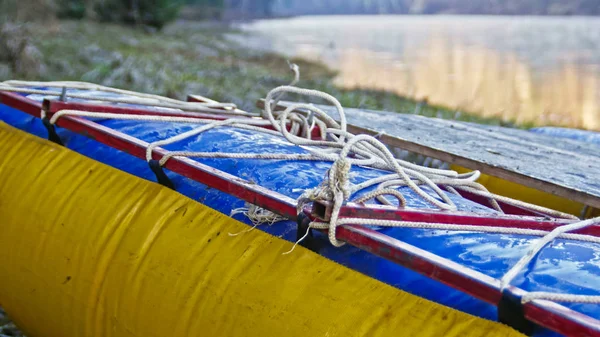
<point x="563" y="167"/>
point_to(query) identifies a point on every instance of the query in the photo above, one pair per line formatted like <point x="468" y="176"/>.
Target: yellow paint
<point x="531" y="195"/>
<point x="88" y="250"/>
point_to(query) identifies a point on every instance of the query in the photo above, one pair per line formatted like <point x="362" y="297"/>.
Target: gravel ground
<point x="8" y="328"/>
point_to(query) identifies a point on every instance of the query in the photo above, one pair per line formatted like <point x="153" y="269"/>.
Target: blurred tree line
<point x="228" y="9"/>
<point x="506" y="7"/>
<point x="157" y="13"/>
<point x="29" y="10"/>
<point x="153" y="13"/>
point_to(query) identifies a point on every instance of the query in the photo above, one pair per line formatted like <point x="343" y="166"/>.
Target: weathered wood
<point x="563" y="167"/>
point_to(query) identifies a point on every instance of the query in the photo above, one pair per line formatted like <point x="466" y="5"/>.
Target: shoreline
<point x="283" y="17"/>
<point x="191" y="57"/>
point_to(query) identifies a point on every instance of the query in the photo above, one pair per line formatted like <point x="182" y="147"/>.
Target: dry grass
<point x="18" y="52"/>
<point x="27" y="10"/>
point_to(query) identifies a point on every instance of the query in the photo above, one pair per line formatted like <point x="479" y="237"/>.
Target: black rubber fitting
<point x="160" y="174"/>
<point x="511" y="313"/>
<point x="52" y="135"/>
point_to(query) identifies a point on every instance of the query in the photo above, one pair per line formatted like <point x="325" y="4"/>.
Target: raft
<point x="97" y="241"/>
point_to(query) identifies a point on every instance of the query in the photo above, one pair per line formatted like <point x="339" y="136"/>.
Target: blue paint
<point x="590" y="137"/>
<point x="566" y="267"/>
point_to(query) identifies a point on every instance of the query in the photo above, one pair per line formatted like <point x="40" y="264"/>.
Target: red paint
<point x="548" y="314"/>
<point x="21" y="103"/>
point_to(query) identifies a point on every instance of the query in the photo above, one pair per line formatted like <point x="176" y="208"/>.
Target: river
<point x="542" y="70"/>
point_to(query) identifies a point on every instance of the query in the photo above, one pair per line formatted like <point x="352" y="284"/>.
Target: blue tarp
<point x="590" y="137"/>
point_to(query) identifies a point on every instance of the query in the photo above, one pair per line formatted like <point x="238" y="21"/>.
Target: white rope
<point x="541" y="243"/>
<point x="450" y="227"/>
<point x="210" y="125"/>
<point x="532" y="207"/>
<point x="542" y="295"/>
<point x="134" y="97"/>
<point x="257" y="215"/>
<point x="84" y="86"/>
<point x="535" y="248"/>
<point x="378" y="194"/>
<point x="26" y="85"/>
<point x="127" y="100"/>
<point x="264" y="156"/>
<point x="336" y="143"/>
<point x="146" y="118"/>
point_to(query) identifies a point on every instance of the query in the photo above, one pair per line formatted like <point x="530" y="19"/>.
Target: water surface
<point x="528" y="69"/>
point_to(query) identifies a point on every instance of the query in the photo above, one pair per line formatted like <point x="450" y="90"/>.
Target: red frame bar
<point x="507" y="208"/>
<point x="22" y="103"/>
<point x="322" y="211"/>
<point x="545" y="313"/>
<point x="53" y="106"/>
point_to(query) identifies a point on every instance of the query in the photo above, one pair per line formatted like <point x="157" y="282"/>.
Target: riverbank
<point x="190" y="58"/>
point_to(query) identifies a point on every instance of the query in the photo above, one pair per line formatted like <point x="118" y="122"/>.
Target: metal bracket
<point x="321" y="210"/>
<point x="63" y="95"/>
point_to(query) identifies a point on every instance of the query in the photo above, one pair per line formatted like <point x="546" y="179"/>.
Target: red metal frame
<point x="57" y="105"/>
<point x="53" y="106"/>
<point x="545" y="313"/>
<point x="507" y="208"/>
<point x="321" y="210"/>
<point x="22" y="103"/>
